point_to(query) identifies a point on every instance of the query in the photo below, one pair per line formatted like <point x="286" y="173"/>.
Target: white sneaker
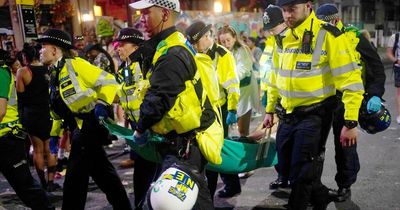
<point x="398" y="119"/>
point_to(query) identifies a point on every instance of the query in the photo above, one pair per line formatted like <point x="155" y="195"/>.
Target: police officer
<point x="315" y="61"/>
<point x="346" y="158"/>
<point x="275" y="25"/>
<point x="199" y="34"/>
<point x="80" y="94"/>
<point x="132" y="81"/>
<point x="172" y="67"/>
<point x="13" y="163"/>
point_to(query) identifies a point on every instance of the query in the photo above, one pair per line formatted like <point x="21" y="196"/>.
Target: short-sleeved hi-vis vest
<point x="11" y="118"/>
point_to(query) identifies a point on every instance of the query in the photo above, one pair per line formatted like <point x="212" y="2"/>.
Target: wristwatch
<point x="350" y="124"/>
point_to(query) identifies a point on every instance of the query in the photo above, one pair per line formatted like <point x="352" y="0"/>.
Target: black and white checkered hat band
<point x="123" y="37"/>
<point x="164" y="3"/>
<point x="56" y="38"/>
<point x="328" y="18"/>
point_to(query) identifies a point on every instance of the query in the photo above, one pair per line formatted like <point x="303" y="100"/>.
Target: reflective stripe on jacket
<point x="11" y="118"/>
<point x="302" y="79"/>
<point x="82" y="84"/>
<point x="131" y="97"/>
<point x="266" y="62"/>
<point x="225" y="65"/>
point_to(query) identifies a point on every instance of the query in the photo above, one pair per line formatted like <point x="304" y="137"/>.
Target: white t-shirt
<point x="391" y="44"/>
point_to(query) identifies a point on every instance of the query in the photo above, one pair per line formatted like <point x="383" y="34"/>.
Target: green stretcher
<point x="237" y="157"/>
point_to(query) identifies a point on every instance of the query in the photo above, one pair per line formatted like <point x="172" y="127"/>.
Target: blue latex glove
<point x="374" y="104"/>
<point x="140" y="138"/>
<point x="264" y="99"/>
<point x="231" y="118"/>
<point x="100" y="111"/>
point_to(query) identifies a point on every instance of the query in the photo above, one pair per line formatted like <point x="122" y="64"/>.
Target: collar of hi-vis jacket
<point x="306" y="25"/>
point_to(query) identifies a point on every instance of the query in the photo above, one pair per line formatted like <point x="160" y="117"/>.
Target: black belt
<point x="302" y="111"/>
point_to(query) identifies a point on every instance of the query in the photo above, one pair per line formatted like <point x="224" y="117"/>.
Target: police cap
<point x="195" y="31"/>
<point x="57" y="37"/>
<point x="327" y="12"/>
<point x="272" y="17"/>
<point x="130" y="35"/>
<point x="286" y="2"/>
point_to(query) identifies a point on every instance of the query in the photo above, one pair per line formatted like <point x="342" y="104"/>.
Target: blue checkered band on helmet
<point x="328" y="18"/>
<point x="164" y="3"/>
<point x="266" y="18"/>
<point x="131" y="36"/>
<point x="52" y="37"/>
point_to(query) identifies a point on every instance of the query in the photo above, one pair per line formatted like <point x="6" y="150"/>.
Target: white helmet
<point x="173" y="190"/>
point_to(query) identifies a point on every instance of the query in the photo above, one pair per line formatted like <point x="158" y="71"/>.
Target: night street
<point x="377" y="187"/>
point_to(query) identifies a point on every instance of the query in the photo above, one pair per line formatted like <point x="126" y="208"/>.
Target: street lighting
<point x="218" y="7"/>
<point x="86" y="17"/>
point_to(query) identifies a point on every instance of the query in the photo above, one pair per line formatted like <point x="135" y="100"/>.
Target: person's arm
<point x="228" y="79"/>
<point x="24" y="78"/>
<point x="272" y="89"/>
<point x="99" y="80"/>
<point x="244" y="63"/>
<point x="347" y="79"/>
<point x="389" y="49"/>
<point x="375" y="71"/>
<point x="3" y="108"/>
<point x="166" y="82"/>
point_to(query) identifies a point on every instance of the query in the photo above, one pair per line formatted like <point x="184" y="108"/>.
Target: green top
<point x="5" y="79"/>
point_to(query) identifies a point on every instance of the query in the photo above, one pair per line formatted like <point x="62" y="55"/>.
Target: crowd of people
<point x="310" y="71"/>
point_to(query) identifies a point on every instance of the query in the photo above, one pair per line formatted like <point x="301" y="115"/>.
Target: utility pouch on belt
<point x="280" y="111"/>
<point x="18" y="133"/>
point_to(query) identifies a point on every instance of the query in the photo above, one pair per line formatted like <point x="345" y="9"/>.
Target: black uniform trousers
<point x="15" y="168"/>
<point x="347" y="162"/>
<point x="145" y="172"/>
<point x="195" y="163"/>
<point x="231" y="181"/>
<point x="298" y="141"/>
<point x="88" y="158"/>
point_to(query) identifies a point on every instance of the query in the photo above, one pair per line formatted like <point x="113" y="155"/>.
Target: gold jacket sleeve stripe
<point x="344" y="69"/>
<point x="328" y="90"/>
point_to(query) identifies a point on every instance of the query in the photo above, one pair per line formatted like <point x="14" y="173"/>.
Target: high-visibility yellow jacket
<point x="353" y="39"/>
<point x="185" y="115"/>
<point x="11" y="118"/>
<point x="304" y="79"/>
<point x="266" y="62"/>
<point x="82" y="84"/>
<point x="225" y="64"/>
<point x="131" y="96"/>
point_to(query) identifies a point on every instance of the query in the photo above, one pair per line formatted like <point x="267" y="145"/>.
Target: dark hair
<point x="69" y="53"/>
<point x="111" y="67"/>
<point x="229" y="29"/>
<point x="252" y="39"/>
<point x="30" y="52"/>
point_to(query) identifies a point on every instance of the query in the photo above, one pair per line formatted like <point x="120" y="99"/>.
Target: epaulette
<point x="332" y="29"/>
<point x="221" y="51"/>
